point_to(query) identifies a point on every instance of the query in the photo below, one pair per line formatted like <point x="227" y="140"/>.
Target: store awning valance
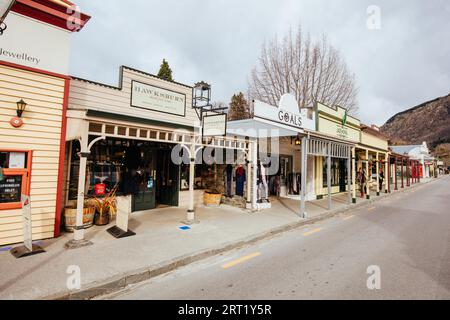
<point x="261" y="128"/>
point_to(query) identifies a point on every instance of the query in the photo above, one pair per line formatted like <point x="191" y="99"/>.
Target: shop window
<point x="132" y="132"/>
<point x="122" y="131"/>
<point x="95" y="127"/>
<point x="334" y="172"/>
<point x="14" y="177"/>
<point x="203" y="175"/>
<point x="143" y="133"/>
<point x="109" y="129"/>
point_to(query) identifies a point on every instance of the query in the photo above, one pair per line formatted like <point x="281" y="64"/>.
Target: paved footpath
<point x="159" y="247"/>
<point x="407" y="236"/>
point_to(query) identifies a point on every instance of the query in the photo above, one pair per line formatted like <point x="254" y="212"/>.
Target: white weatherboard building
<point x="420" y="153"/>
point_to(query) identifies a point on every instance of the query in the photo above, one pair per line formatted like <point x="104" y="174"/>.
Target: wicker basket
<point x="70" y="218"/>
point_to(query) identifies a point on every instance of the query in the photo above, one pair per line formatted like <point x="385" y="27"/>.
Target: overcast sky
<point x="404" y="63"/>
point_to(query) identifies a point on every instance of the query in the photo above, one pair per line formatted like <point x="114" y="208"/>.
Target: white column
<point x="249" y="179"/>
<point x="78" y="236"/>
<point x="79" y="230"/>
<point x="354" y="174"/>
<point x="378" y="174"/>
<point x="387" y="178"/>
<point x="255" y="174"/>
<point x="329" y="176"/>
<point x="349" y="175"/>
<point x="304" y="162"/>
<point x="369" y="175"/>
<point x="191" y="210"/>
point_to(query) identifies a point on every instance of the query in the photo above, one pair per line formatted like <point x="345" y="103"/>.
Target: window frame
<point x="26" y="178"/>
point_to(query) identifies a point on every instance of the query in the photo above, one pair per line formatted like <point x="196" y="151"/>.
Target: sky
<point x="398" y="50"/>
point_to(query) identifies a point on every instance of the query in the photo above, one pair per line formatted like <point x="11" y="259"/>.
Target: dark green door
<point x="145" y="196"/>
<point x="168" y="175"/>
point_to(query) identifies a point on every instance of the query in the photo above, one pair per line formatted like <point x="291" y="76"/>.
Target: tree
<point x="165" y="72"/>
<point x="239" y="109"/>
<point x="310" y="70"/>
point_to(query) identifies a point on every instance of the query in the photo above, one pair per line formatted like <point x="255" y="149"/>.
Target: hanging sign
<point x="215" y="125"/>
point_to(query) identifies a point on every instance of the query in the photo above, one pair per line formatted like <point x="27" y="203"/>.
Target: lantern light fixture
<point x="21" y="106"/>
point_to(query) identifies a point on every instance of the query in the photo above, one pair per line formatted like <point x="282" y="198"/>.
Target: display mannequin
<point x="240" y="180"/>
<point x="228" y="180"/>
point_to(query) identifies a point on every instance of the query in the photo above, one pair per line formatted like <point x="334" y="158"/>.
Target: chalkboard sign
<point x="10" y="189"/>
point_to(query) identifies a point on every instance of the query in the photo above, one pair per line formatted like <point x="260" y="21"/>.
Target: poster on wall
<point x="153" y="98"/>
<point x="17" y="160"/>
<point x="10" y="189"/>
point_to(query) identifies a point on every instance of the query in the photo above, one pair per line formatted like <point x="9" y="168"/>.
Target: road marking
<point x="240" y="260"/>
<point x="312" y="232"/>
<point x="348" y="218"/>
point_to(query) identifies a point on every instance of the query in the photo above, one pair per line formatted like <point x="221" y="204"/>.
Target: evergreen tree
<point x="239" y="108"/>
<point x="165" y="72"/>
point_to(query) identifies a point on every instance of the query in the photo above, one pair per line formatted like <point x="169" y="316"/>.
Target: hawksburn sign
<point x="290" y="118"/>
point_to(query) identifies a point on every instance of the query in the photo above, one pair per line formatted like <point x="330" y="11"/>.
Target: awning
<point x="261" y="128"/>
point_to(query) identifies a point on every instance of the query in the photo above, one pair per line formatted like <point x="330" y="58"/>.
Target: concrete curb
<point x="123" y="280"/>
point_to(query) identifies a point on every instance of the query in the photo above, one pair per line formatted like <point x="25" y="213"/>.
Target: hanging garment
<point x="240" y="180"/>
<point x="228" y="180"/>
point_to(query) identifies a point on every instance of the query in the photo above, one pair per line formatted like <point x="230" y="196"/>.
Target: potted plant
<point x="105" y="207"/>
<point x="70" y="216"/>
<point x="212" y="198"/>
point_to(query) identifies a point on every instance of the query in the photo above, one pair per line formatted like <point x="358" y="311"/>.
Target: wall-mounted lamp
<point x="21" y="106"/>
<point x="16" y="122"/>
<point x="298" y="141"/>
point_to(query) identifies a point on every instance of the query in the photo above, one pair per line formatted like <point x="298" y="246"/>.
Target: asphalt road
<point x="406" y="236"/>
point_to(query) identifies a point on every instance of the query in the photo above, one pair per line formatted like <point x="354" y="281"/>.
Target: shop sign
<point x="287" y="113"/>
<point x="342" y="132"/>
<point x="153" y="98"/>
<point x="215" y="125"/>
<point x="22" y="43"/>
<point x="10" y="189"/>
<point x="100" y="189"/>
<point x="27" y="231"/>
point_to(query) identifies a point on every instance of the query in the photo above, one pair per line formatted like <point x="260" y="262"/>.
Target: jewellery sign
<point x="153" y="98"/>
<point x="22" y="43"/>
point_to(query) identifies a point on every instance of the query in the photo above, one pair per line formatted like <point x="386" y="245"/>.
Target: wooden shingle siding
<point x="40" y="133"/>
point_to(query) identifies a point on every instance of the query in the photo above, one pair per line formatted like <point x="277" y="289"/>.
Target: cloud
<point x="399" y="66"/>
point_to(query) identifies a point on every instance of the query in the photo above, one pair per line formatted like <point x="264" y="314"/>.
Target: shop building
<point x="34" y="61"/>
<point x="372" y="161"/>
<point x="419" y="153"/>
<point x="143" y="139"/>
<point x="302" y="154"/>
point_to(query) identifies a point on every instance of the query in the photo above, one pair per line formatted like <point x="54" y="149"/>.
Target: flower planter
<point x="101" y="220"/>
<point x="212" y="199"/>
<point x="70" y="218"/>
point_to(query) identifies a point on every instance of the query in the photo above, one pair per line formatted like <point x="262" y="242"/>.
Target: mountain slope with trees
<point x="429" y="121"/>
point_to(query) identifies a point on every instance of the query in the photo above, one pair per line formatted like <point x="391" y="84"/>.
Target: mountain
<point x="429" y="121"/>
